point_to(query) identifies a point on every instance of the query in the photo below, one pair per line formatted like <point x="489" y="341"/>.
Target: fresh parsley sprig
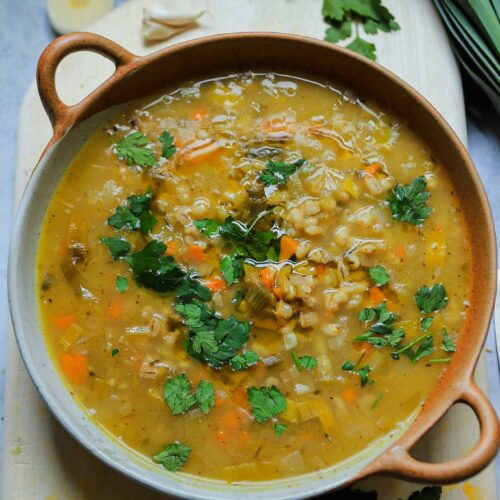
<point x="173" y="456"/>
<point x="277" y="173"/>
<point x="408" y="203"/>
<point x="136" y="215"/>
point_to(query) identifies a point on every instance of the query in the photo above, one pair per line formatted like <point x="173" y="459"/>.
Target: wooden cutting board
<point x="41" y="461"/>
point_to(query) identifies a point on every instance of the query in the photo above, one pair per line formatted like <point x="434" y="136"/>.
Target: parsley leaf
<point x="114" y="351"/>
<point x="244" y="361"/>
<point x="279" y="429"/>
<point x="431" y="299"/>
<point x="209" y="227"/>
<point x="173" y="456"/>
<point x="426" y="323"/>
<point x="231" y="266"/>
<point x="155" y="270"/>
<point x="266" y="402"/>
<point x="205" y="396"/>
<point x="177" y="394"/>
<point x="379" y="275"/>
<point x="121" y="283"/>
<point x="362" y="372"/>
<point x="136" y="215"/>
<point x="117" y="246"/>
<point x="409" y="203"/>
<point x="132" y="148"/>
<point x="338" y="31"/>
<point x="363" y="47"/>
<point x="123" y="217"/>
<point x="427" y="493"/>
<point x="192" y="288"/>
<point x="212" y="339"/>
<point x="306" y="362"/>
<point x="382" y="332"/>
<point x="277" y="173"/>
<point x="168" y="146"/>
<point x="426" y="348"/>
<point x="448" y="345"/>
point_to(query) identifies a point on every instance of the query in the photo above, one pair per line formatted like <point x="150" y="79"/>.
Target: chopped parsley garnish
<point x="212" y="339"/>
<point x="132" y="148"/>
<point x="376" y="402"/>
<point x="426" y="323"/>
<point x="115" y="351"/>
<point x="205" y="396"/>
<point x="431" y="299"/>
<point x="382" y="332"/>
<point x="279" y="429"/>
<point x="155" y="270"/>
<point x="425" y="348"/>
<point x="340" y="14"/>
<point x="173" y="456"/>
<point x="379" y="275"/>
<point x="231" y="266"/>
<point x="306" y="362"/>
<point x="277" y="173"/>
<point x="191" y="288"/>
<point x="244" y="361"/>
<point x="117" y="246"/>
<point x="362" y="372"/>
<point x="136" y="215"/>
<point x="447" y="345"/>
<point x="178" y="395"/>
<point x="409" y="203"/>
<point x="168" y="146"/>
<point x="266" y="402"/>
<point x="121" y="283"/>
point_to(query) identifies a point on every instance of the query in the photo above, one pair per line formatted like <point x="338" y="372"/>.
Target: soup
<point x="253" y="277"/>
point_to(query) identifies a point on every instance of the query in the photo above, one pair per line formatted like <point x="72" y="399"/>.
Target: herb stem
<point x="257" y="219"/>
<point x="411" y="344"/>
<point x="377" y="401"/>
<point x="439" y="360"/>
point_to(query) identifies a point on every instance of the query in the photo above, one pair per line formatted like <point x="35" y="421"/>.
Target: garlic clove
<point x="157" y="24"/>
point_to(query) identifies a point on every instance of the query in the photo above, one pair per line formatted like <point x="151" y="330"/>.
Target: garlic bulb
<point x="74" y="15"/>
<point x="158" y="24"/>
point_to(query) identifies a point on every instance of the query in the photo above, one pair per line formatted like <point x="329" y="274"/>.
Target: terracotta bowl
<point x="135" y="77"/>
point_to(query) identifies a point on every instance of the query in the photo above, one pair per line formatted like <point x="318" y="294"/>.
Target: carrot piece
<point x="372" y="169"/>
<point x="63" y="249"/>
<point x="400" y="252"/>
<point x="172" y="247"/>
<point x="221" y="436"/>
<point x="266" y="277"/>
<point x="278" y="292"/>
<point x="195" y="254"/>
<point x="365" y="347"/>
<point x="274" y="125"/>
<point x="115" y="309"/>
<point x="288" y="247"/>
<point x="198" y="114"/>
<point x="75" y="367"/>
<point x="215" y="284"/>
<point x="63" y="322"/>
<point x="376" y="295"/>
<point x="349" y="395"/>
<point x="220" y="397"/>
<point x="438" y="228"/>
<point x="320" y="269"/>
<point x="239" y="397"/>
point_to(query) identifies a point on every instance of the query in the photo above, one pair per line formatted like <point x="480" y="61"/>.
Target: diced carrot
<point x="372" y="169"/>
<point x="288" y="247"/>
<point x="278" y="292"/>
<point x="75" y="367"/>
<point x="239" y="396"/>
<point x="63" y="322"/>
<point x="376" y="296"/>
<point x="215" y="284"/>
<point x="266" y="277"/>
<point x="221" y="436"/>
<point x="400" y="252"/>
<point x="349" y="395"/>
<point x="220" y="397"/>
<point x="116" y="307"/>
<point x="438" y="228"/>
<point x="319" y="269"/>
<point x="198" y="114"/>
<point x="231" y="419"/>
<point x="195" y="254"/>
<point x="275" y="125"/>
<point x="172" y="247"/>
<point x="365" y="347"/>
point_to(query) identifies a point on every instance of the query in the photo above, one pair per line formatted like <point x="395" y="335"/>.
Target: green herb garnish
<point x="426" y="323"/>
<point x="121" y="283"/>
<point x="381" y="333"/>
<point x="409" y="203"/>
<point x="431" y="299"/>
<point x="362" y="372"/>
<point x="173" y="456"/>
<point x="277" y="173"/>
<point x="114" y="351"/>
<point x="168" y="146"/>
<point x="279" y="429"/>
<point x="178" y="394"/>
<point x="117" y="246"/>
<point x="132" y="148"/>
<point x="136" y="215"/>
<point x="266" y="402"/>
<point x="306" y="362"/>
<point x="425" y="349"/>
<point x="205" y="396"/>
<point x="447" y="345"/>
<point x="244" y="361"/>
<point x="379" y="275"/>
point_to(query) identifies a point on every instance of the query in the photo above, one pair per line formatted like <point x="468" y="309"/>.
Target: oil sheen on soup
<point x="253" y="277"/>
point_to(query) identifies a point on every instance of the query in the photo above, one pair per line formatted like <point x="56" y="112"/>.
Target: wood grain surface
<point x="41" y="461"/>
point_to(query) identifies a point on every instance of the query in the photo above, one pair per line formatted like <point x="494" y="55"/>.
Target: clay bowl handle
<point x="401" y="464"/>
<point x="60" y="114"/>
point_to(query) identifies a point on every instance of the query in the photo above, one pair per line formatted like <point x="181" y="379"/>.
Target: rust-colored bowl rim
<point x="456" y="385"/>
